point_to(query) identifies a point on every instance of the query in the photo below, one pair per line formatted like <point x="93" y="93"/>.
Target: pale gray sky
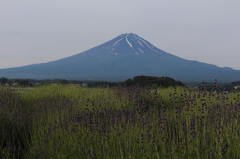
<point x="47" y="30"/>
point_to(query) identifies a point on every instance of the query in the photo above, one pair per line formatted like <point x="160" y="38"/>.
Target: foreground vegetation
<point x="62" y="121"/>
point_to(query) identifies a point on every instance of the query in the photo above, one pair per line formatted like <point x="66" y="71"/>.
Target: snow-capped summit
<point x="131" y="44"/>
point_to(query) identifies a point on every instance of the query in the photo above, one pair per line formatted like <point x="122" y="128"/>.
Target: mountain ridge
<point x="123" y="57"/>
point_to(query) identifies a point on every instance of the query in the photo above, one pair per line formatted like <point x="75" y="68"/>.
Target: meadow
<point x="63" y="121"/>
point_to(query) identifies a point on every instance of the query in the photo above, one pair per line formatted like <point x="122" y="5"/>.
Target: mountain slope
<point x="123" y="57"/>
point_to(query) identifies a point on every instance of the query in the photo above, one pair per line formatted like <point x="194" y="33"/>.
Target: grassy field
<point x="62" y="121"/>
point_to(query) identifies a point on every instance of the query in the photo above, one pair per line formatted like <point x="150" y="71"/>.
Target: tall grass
<point x="59" y="121"/>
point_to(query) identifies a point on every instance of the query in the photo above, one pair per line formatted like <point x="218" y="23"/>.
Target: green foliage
<point x="102" y="84"/>
<point x="152" y="81"/>
<point x="23" y="82"/>
<point x="15" y="125"/>
<point x="65" y="121"/>
<point x="62" y="81"/>
<point x="3" y="80"/>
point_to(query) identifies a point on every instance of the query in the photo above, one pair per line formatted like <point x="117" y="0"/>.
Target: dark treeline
<point x="215" y="86"/>
<point x="35" y="82"/>
<point x="103" y="84"/>
<point x="152" y="81"/>
<point x="143" y="81"/>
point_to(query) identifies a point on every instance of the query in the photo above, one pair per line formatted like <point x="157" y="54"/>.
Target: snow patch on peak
<point x="140" y="43"/>
<point x="116" y="42"/>
<point x="128" y="41"/>
<point x="140" y="50"/>
<point x="150" y="47"/>
<point x="135" y="37"/>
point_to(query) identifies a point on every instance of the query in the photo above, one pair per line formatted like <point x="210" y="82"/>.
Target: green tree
<point x="152" y="81"/>
<point x="3" y="80"/>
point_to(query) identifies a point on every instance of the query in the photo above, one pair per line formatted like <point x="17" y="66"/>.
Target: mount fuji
<point x="123" y="57"/>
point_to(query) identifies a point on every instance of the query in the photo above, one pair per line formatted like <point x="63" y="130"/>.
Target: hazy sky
<point x="47" y="30"/>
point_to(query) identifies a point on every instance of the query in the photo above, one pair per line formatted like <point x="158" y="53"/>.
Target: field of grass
<point x="62" y="121"/>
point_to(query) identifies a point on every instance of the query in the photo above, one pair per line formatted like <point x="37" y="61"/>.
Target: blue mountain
<point x="123" y="57"/>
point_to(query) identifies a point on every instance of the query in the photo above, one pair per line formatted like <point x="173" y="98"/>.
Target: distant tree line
<point x="152" y="81"/>
<point x="34" y="82"/>
<point x="214" y="86"/>
<point x="102" y="84"/>
<point x="137" y="81"/>
<point x="3" y="80"/>
<point x="20" y="82"/>
<point x="143" y="81"/>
